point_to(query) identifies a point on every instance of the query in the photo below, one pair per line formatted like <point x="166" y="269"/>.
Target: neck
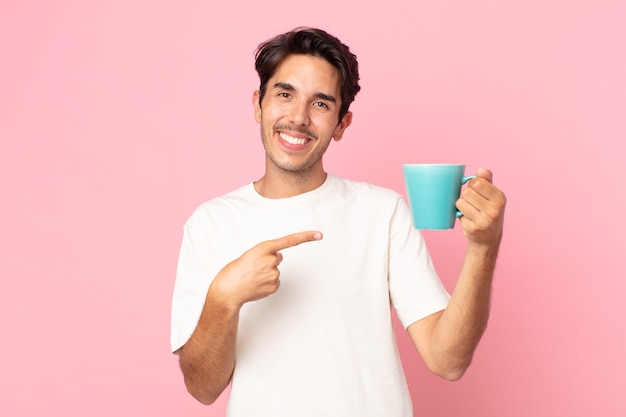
<point x="289" y="184"/>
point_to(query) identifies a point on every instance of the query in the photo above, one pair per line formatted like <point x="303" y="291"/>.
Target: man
<point x="285" y="286"/>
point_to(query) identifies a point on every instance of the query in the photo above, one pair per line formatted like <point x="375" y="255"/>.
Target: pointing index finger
<point x="292" y="240"/>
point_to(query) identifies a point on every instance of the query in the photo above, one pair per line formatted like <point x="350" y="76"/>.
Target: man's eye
<point x="321" y="104"/>
<point x="283" y="94"/>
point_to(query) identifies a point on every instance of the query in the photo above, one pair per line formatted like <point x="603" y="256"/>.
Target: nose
<point x="299" y="113"/>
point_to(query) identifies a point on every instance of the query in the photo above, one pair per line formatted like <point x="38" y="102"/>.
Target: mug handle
<point x="464" y="179"/>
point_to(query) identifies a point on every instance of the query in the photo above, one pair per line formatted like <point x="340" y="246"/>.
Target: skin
<point x="298" y="119"/>
<point x="302" y="101"/>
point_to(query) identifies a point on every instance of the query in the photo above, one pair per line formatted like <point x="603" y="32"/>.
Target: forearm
<point x="208" y="358"/>
<point x="456" y="334"/>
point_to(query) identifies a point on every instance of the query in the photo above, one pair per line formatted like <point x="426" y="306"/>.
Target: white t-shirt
<point x="323" y="344"/>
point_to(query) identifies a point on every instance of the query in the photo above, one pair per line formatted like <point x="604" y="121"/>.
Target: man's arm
<point x="208" y="358"/>
<point x="448" y="339"/>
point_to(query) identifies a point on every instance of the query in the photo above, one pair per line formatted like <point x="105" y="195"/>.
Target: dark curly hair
<point x="310" y="41"/>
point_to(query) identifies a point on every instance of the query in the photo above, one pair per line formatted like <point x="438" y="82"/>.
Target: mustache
<point x="298" y="129"/>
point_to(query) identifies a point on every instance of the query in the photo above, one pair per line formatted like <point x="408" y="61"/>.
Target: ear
<point x="257" y="105"/>
<point x="346" y="121"/>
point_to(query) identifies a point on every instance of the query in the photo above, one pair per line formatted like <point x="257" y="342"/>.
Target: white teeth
<point x="292" y="140"/>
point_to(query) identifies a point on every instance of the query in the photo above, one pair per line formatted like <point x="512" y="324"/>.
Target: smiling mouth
<point x="294" y="141"/>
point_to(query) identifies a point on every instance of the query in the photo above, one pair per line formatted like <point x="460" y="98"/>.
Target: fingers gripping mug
<point x="432" y="191"/>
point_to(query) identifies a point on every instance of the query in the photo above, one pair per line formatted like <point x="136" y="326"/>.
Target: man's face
<point x="299" y="114"/>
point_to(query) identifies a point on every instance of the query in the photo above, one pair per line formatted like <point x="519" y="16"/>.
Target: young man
<point x="285" y="286"/>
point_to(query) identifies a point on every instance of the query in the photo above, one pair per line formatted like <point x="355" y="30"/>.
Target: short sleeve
<point x="415" y="288"/>
<point x="193" y="277"/>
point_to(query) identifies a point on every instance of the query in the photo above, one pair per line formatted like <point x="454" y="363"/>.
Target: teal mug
<point x="432" y="191"/>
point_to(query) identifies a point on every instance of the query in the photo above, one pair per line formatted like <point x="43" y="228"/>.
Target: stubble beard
<point x="302" y="170"/>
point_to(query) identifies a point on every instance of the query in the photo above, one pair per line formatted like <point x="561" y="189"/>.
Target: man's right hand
<point x="255" y="275"/>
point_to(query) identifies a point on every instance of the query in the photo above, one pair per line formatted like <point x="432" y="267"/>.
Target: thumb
<point x="485" y="174"/>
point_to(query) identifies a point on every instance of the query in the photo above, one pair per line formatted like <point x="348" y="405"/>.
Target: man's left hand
<point x="482" y="205"/>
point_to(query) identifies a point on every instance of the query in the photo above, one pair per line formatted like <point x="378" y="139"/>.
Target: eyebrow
<point x="289" y="87"/>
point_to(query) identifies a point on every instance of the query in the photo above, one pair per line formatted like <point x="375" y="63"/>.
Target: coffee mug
<point x="432" y="191"/>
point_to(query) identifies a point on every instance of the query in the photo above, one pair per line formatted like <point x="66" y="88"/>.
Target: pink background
<point x="118" y="118"/>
